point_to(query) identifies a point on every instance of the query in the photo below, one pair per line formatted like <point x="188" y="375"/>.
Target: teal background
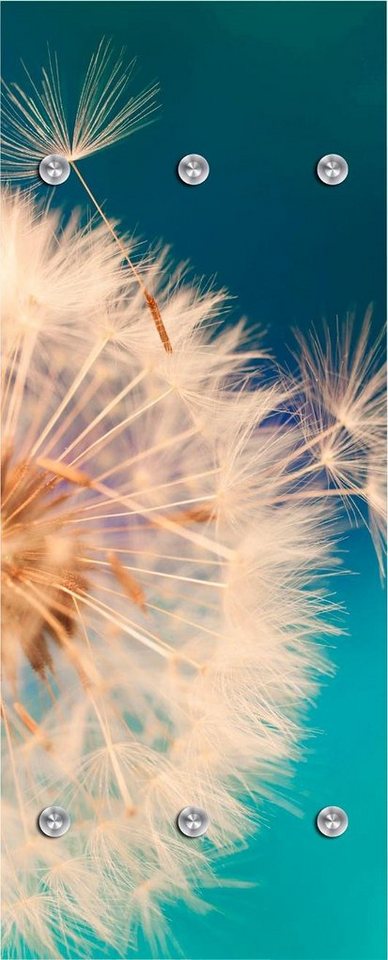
<point x="263" y="90"/>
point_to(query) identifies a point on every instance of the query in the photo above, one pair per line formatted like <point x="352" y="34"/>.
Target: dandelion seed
<point x="36" y="126"/>
<point x="345" y="414"/>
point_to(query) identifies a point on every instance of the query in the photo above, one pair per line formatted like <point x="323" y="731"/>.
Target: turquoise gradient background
<point x="263" y="90"/>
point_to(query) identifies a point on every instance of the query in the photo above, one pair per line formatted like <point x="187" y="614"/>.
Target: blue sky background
<point x="263" y="90"/>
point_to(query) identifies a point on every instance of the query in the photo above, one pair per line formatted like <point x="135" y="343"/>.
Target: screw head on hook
<point x="54" y="821"/>
<point x="193" y="821"/>
<point x="332" y="821"/>
<point x="54" y="169"/>
<point x="332" y="169"/>
<point x="193" y="169"/>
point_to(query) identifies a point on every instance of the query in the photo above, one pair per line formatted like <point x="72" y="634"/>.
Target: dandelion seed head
<point x="35" y="125"/>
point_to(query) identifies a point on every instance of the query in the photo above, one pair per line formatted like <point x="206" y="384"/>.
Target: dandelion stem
<point x="150" y="300"/>
<point x="10" y="372"/>
<point x="18" y="389"/>
<point x="158" y="573"/>
<point x="160" y="556"/>
<point x="101" y="441"/>
<point x="144" y="510"/>
<point x="330" y="492"/>
<point x="88" y="391"/>
<point x="70" y="393"/>
<point x="161" y="486"/>
<point x="149" y="451"/>
<point x="170" y="525"/>
<point x="103" y="413"/>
